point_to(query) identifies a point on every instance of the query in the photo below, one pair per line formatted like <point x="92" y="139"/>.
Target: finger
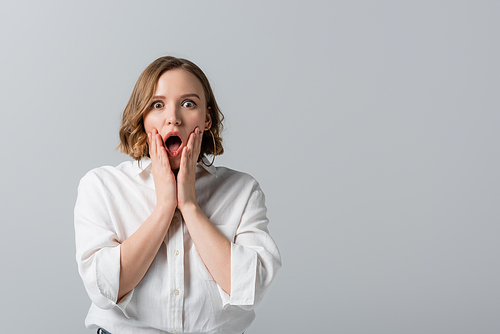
<point x="191" y="141"/>
<point x="197" y="144"/>
<point x="161" y="151"/>
<point x="152" y="144"/>
<point x="158" y="141"/>
<point x="184" y="158"/>
<point x="194" y="143"/>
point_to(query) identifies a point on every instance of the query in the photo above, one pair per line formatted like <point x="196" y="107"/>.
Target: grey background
<point x="372" y="127"/>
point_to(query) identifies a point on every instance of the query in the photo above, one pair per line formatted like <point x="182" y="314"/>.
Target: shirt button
<point x="176" y="292"/>
<point x="176" y="252"/>
<point x="175" y="220"/>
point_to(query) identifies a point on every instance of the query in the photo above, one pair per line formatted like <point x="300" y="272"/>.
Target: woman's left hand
<point x="212" y="246"/>
<point x="186" y="194"/>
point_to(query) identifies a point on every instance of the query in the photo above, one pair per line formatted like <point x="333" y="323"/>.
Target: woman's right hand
<point x="164" y="178"/>
<point x="138" y="251"/>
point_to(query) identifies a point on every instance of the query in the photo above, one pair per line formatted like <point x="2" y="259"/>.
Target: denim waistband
<point x="102" y="331"/>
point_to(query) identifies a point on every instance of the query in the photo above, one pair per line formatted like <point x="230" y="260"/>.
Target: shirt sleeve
<point x="97" y="245"/>
<point x="255" y="258"/>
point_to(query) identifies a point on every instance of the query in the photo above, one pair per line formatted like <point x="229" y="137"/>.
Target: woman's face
<point x="178" y="107"/>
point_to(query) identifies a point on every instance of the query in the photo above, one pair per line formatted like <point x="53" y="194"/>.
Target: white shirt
<point x="177" y="294"/>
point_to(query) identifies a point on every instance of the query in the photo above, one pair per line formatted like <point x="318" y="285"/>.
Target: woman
<point x="169" y="243"/>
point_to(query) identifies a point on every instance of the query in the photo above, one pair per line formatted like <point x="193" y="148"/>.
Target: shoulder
<point x="108" y="174"/>
<point x="235" y="179"/>
<point x="235" y="175"/>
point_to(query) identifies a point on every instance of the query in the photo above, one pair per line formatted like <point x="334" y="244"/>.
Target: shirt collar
<point x="145" y="165"/>
<point x="205" y="164"/>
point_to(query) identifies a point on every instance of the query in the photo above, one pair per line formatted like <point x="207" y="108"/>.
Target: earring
<point x="215" y="148"/>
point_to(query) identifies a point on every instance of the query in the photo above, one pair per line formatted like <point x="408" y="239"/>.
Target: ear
<point x="208" y="119"/>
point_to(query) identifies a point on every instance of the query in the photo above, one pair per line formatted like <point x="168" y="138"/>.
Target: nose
<point x="173" y="116"/>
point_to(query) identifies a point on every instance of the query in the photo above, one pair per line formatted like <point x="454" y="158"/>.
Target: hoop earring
<point x="215" y="147"/>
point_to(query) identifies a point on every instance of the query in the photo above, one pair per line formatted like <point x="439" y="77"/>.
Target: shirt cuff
<point x="108" y="277"/>
<point x="243" y="277"/>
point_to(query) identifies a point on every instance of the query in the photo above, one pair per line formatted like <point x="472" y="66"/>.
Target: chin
<point x="175" y="163"/>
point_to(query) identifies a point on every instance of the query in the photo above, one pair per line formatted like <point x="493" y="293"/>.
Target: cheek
<point x="149" y="122"/>
<point x="204" y="119"/>
<point x="196" y="121"/>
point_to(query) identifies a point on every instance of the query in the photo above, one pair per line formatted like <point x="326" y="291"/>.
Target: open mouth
<point x="173" y="143"/>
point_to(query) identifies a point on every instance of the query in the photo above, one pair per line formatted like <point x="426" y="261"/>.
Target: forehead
<point x="179" y="82"/>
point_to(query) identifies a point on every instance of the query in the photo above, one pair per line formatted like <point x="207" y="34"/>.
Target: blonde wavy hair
<point x="133" y="137"/>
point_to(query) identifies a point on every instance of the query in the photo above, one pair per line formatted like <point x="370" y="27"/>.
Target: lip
<point x="179" y="149"/>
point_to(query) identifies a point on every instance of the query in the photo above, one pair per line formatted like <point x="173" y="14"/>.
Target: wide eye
<point x="157" y="105"/>
<point x="188" y="104"/>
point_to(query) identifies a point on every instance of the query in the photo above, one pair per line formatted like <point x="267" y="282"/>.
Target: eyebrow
<point x="190" y="95"/>
<point x="182" y="96"/>
<point x="158" y="97"/>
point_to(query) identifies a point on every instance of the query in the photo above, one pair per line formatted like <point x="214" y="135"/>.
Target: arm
<point x="244" y="266"/>
<point x="255" y="256"/>
<point x="140" y="249"/>
<point x="212" y="246"/>
<point x="253" y="259"/>
<point x="110" y="267"/>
